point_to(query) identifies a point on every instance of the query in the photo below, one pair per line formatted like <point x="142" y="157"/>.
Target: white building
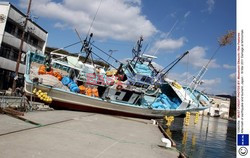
<point x="11" y="29"/>
<point x="220" y="107"/>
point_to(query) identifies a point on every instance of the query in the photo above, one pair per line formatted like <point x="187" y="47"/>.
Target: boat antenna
<point x="146" y="47"/>
<point x="137" y="50"/>
<point x="94" y="18"/>
<point x="88" y="49"/>
<point x="86" y="45"/>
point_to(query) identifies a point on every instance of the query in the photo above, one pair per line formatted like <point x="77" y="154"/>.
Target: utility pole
<point x="21" y="47"/>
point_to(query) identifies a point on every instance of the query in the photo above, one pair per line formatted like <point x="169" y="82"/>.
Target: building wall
<point x="35" y="31"/>
<point x="4" y="12"/>
<point x="220" y="107"/>
<point x="11" y="29"/>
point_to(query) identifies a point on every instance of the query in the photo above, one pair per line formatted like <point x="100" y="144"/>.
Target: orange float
<point x="42" y="70"/>
<point x="95" y="92"/>
<point x="58" y="75"/>
<point x="88" y="91"/>
<point x="82" y="89"/>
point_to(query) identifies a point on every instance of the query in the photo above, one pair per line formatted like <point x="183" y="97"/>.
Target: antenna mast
<point x="137" y="49"/>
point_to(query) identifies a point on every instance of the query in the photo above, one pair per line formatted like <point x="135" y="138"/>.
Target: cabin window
<point x="146" y="79"/>
<point x="117" y="93"/>
<point x="127" y="96"/>
<point x="131" y="69"/>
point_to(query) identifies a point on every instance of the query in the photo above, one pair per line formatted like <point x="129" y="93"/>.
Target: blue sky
<point x="169" y="29"/>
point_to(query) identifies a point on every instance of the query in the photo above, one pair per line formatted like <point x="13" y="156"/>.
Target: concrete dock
<point x="64" y="134"/>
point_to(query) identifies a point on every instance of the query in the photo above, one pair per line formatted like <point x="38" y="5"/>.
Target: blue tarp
<point x="143" y="69"/>
<point x="163" y="102"/>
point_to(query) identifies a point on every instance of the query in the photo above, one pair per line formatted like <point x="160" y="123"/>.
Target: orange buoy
<point x="41" y="70"/>
<point x="95" y="92"/>
<point x="58" y="75"/>
<point x="88" y="91"/>
<point x="82" y="89"/>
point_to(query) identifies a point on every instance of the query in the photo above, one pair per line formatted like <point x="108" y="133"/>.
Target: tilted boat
<point x="134" y="89"/>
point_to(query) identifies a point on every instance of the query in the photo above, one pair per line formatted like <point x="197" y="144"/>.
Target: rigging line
<point x="187" y="69"/>
<point x="105" y="53"/>
<point x="168" y="65"/>
<point x="212" y="56"/>
<point x="153" y="37"/>
<point x="145" y="49"/>
<point x="187" y="74"/>
<point x="103" y="60"/>
<point x="65" y="47"/>
<point x="170" y="31"/>
<point x="94" y="18"/>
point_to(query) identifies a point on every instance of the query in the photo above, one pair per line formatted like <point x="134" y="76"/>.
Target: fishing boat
<point x="134" y="89"/>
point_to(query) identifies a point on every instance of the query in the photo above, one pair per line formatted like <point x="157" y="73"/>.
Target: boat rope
<point x="172" y="28"/>
<point x="103" y="60"/>
<point x="187" y="74"/>
<point x="91" y="25"/>
<point x="116" y="60"/>
<point x="70" y="45"/>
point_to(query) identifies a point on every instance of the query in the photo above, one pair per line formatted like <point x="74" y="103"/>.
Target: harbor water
<point x="209" y="138"/>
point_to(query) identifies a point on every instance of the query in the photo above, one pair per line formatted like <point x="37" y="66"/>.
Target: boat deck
<point x="79" y="134"/>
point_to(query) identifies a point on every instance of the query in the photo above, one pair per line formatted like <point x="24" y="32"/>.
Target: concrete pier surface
<point x="66" y="134"/>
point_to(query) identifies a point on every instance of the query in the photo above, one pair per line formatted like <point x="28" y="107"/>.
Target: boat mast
<point x="136" y="50"/>
<point x="87" y="48"/>
<point x="197" y="80"/>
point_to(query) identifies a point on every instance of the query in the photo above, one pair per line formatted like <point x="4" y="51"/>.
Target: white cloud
<point x="135" y="2"/>
<point x="60" y="25"/>
<point x="211" y="82"/>
<point x="187" y="14"/>
<point x="209" y="86"/>
<point x="120" y="20"/>
<point x="167" y="45"/>
<point x="196" y="58"/>
<point x="210" y="4"/>
<point x="226" y="66"/>
<point x="232" y="76"/>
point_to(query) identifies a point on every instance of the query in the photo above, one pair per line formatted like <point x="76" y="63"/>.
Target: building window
<point x="6" y="79"/>
<point x="17" y="31"/>
<point x="10" y="28"/>
<point x="33" y="41"/>
<point x="9" y="52"/>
